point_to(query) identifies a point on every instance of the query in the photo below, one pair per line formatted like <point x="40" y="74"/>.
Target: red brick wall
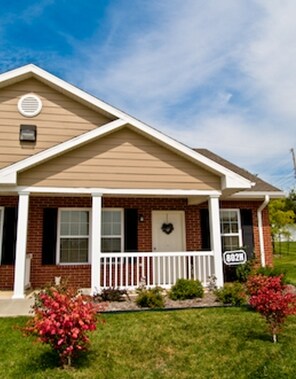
<point x="80" y="274"/>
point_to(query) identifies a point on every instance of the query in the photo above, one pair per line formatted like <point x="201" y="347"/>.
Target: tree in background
<point x="282" y="213"/>
<point x="291" y="201"/>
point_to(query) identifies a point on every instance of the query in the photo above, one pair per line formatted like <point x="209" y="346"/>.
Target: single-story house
<point x="93" y="195"/>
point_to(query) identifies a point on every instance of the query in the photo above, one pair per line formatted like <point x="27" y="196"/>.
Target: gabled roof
<point x="231" y="179"/>
<point x="259" y="184"/>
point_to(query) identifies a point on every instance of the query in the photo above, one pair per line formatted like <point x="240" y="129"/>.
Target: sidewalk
<point x="12" y="307"/>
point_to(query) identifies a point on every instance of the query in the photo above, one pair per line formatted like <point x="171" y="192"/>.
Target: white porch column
<point x="214" y="218"/>
<point x="96" y="242"/>
<point x="21" y="246"/>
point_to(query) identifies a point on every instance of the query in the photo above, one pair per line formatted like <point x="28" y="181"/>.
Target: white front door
<point x="168" y="235"/>
<point x="168" y="231"/>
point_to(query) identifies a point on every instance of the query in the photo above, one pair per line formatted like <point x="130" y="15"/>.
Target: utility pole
<point x="294" y="161"/>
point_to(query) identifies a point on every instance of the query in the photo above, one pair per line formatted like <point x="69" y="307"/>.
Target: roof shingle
<point x="260" y="185"/>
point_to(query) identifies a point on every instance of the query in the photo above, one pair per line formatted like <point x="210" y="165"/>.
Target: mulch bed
<point x="209" y="300"/>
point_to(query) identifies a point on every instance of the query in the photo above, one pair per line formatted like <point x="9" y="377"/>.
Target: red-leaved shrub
<point x="270" y="297"/>
<point x="63" y="319"/>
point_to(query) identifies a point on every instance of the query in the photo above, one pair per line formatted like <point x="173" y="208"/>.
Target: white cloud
<point x="270" y="57"/>
<point x="187" y="46"/>
<point x="34" y="10"/>
<point x="212" y="74"/>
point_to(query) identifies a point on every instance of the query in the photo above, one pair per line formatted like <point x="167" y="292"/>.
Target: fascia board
<point x="32" y="70"/>
<point x="111" y="191"/>
<point x="8" y="175"/>
<point x="8" y="179"/>
<point x="229" y="180"/>
<point x="257" y="195"/>
<point x="16" y="73"/>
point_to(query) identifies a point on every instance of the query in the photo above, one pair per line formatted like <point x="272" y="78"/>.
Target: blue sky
<point x="214" y="74"/>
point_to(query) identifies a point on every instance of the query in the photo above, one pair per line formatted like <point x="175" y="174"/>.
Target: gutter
<point x="260" y="229"/>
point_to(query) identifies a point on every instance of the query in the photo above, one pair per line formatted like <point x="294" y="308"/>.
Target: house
<point x="91" y="194"/>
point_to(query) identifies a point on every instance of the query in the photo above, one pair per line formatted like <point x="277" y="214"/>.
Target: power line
<point x="294" y="161"/>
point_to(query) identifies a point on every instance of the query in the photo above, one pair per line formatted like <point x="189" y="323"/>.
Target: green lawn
<point x="202" y="343"/>
<point x="285" y="258"/>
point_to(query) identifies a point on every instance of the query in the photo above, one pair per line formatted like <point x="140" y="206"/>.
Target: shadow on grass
<point x="49" y="360"/>
<point x="262" y="336"/>
<point x="43" y="361"/>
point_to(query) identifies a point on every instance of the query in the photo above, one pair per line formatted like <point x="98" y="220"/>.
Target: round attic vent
<point x="29" y="105"/>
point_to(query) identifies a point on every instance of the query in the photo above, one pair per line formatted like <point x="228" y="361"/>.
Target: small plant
<point x="150" y="298"/>
<point x="186" y="289"/>
<point x="269" y="297"/>
<point x="231" y="293"/>
<point x="63" y="320"/>
<point x="212" y="283"/>
<point x="243" y="271"/>
<point x="111" y="294"/>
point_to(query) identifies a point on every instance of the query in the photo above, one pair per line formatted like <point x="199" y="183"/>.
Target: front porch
<point x="130" y="270"/>
<point x="125" y="269"/>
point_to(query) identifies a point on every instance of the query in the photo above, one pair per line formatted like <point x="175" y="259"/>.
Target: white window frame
<point x="121" y="236"/>
<point x="239" y="233"/>
<point x="59" y="236"/>
<point x="1" y="230"/>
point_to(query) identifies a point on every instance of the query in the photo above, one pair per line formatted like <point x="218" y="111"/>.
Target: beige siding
<point x="61" y="118"/>
<point x="123" y="159"/>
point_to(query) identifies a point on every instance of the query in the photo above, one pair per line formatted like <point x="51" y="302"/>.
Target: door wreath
<point x="167" y="227"/>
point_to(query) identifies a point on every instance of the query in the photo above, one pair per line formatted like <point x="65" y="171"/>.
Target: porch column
<point x="96" y="242"/>
<point x="214" y="218"/>
<point x="21" y="246"/>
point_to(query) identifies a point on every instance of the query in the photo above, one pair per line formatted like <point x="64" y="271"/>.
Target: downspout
<point x="260" y="229"/>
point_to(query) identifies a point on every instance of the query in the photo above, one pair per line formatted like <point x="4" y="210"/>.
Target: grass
<point x="285" y="259"/>
<point x="201" y="343"/>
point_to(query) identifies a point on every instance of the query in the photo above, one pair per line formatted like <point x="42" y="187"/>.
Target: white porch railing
<point x="28" y="271"/>
<point x="129" y="270"/>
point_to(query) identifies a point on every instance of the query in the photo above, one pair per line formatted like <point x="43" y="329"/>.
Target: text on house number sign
<point x="236" y="257"/>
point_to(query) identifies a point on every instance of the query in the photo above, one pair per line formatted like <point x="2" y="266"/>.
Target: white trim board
<point x="109" y="191"/>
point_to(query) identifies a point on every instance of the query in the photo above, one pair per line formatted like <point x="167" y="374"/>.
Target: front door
<point x="168" y="231"/>
<point x="168" y="235"/>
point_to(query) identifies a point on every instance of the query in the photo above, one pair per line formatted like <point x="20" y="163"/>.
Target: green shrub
<point x="186" y="289"/>
<point x="111" y="294"/>
<point x="150" y="298"/>
<point x="243" y="271"/>
<point x="231" y="293"/>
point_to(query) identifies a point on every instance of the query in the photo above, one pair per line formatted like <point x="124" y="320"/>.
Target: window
<point x="112" y="230"/>
<point x="73" y="236"/>
<point x="230" y="229"/>
<point x="1" y="229"/>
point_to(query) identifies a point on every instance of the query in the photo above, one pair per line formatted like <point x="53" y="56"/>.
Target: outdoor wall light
<point x="141" y="218"/>
<point x="28" y="133"/>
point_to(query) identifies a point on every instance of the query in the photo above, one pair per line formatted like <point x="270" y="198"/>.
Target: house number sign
<point x="235" y="257"/>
